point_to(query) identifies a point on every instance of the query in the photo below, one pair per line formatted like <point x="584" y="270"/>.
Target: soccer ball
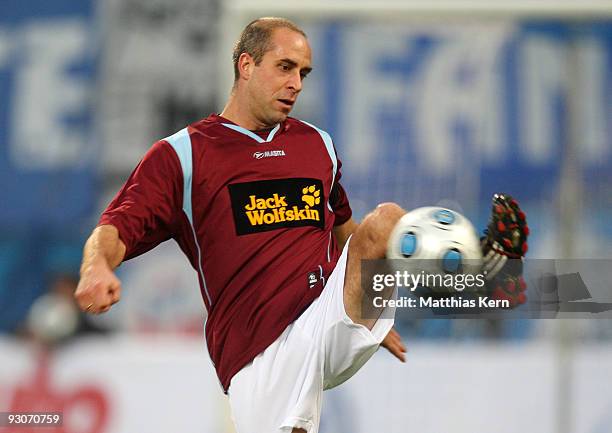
<point x="435" y="241"/>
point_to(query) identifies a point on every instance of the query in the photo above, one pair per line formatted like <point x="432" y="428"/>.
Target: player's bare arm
<point x="99" y="288"/>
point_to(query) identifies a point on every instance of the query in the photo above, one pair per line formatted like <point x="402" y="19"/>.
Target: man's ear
<point x="245" y="65"/>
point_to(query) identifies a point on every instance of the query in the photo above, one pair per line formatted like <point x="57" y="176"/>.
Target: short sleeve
<point x="338" y="200"/>
<point x="147" y="207"/>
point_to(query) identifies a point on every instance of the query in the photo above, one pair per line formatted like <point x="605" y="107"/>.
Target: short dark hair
<point x="255" y="39"/>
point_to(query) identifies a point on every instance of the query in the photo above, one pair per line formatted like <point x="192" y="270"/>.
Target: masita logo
<point x="268" y="154"/>
<point x="273" y="204"/>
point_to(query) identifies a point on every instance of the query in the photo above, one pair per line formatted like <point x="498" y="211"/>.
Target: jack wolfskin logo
<point x="273" y="204"/>
<point x="311" y="195"/>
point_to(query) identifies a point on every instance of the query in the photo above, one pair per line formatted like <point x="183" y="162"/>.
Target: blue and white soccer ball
<point x="435" y="241"/>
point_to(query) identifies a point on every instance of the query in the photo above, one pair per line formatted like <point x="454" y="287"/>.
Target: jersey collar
<point x="229" y="124"/>
<point x="251" y="133"/>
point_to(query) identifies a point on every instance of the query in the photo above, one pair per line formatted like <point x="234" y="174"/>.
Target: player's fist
<point x="98" y="289"/>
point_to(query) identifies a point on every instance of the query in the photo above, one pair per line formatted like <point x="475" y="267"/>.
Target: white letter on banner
<point x="45" y="94"/>
<point x="460" y="85"/>
<point x="367" y="90"/>
<point x="543" y="77"/>
<point x="5" y="48"/>
<point x="592" y="99"/>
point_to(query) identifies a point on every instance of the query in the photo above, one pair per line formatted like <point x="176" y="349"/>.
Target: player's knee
<point x="374" y="231"/>
<point x="389" y="212"/>
<point x="382" y="219"/>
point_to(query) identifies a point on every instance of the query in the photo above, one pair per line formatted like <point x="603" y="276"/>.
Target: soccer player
<point x="253" y="198"/>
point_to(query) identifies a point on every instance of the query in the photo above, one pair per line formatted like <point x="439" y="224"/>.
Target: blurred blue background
<point x="422" y="113"/>
<point x="442" y="108"/>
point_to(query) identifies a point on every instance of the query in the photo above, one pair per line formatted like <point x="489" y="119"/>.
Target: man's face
<point x="274" y="84"/>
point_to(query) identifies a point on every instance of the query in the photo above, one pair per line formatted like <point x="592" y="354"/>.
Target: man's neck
<point x="240" y="114"/>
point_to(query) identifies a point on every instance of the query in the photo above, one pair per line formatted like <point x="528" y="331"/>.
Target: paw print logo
<point x="311" y="195"/>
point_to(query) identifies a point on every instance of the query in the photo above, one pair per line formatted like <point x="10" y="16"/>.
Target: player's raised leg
<point x="368" y="242"/>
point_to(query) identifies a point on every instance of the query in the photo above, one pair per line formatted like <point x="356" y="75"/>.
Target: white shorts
<point x="282" y="387"/>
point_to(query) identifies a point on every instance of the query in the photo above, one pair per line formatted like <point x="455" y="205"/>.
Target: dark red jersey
<point x="253" y="213"/>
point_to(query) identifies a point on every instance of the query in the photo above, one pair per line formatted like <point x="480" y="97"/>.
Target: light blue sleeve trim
<point x="329" y="145"/>
<point x="181" y="143"/>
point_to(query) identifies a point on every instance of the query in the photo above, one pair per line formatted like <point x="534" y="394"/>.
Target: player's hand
<point x="504" y="246"/>
<point x="98" y="289"/>
<point x="394" y="344"/>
